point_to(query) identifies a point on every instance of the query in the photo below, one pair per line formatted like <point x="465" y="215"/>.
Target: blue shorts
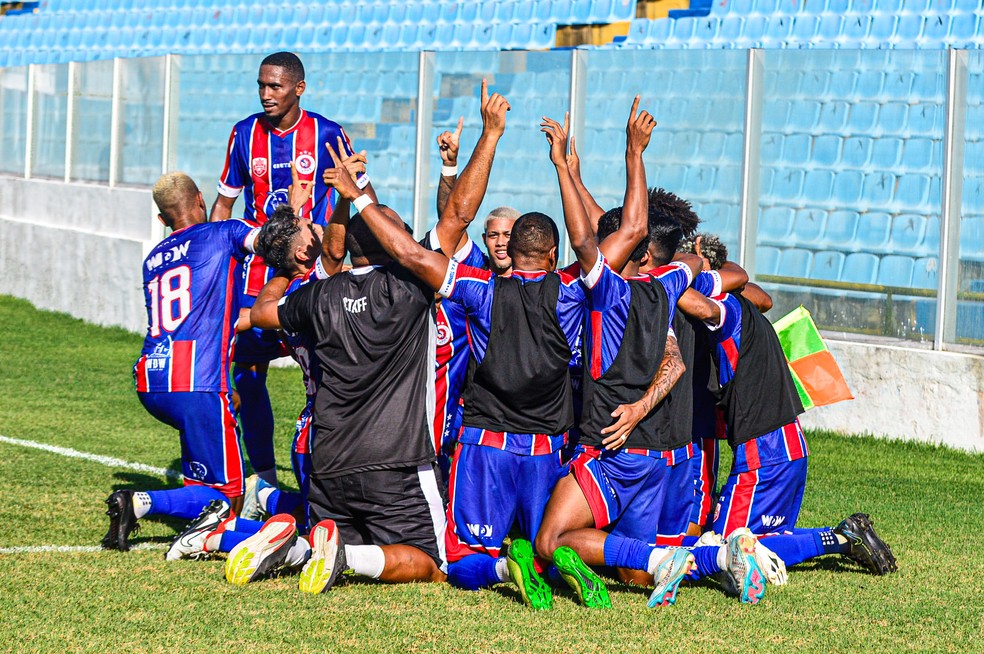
<point x="258" y="346"/>
<point x="490" y="490"/>
<point x="210" y="452"/>
<point x="644" y="497"/>
<point x="766" y="500"/>
<point x="300" y="450"/>
<point x="707" y="455"/>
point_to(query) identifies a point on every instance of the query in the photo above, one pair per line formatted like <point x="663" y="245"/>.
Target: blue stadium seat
<point x="877" y="189"/>
<point x="795" y="262"/>
<point x="860" y="268"/>
<point x="804" y="116"/>
<point x="929" y="85"/>
<point x="935" y="30"/>
<point x="925" y="120"/>
<point x="826" y="150"/>
<point x="912" y="192"/>
<point x="796" y="149"/>
<point x="883" y="26"/>
<point x="873" y="230"/>
<point x="833" y="117"/>
<point x="766" y="260"/>
<point x="972" y="238"/>
<point x="930" y="244"/>
<point x="894" y="270"/>
<point x="886" y="153"/>
<point x="827" y="266"/>
<point x="870" y="84"/>
<point x="805" y="28"/>
<point x="892" y="118"/>
<point x="777" y="29"/>
<point x="920" y="155"/>
<point x="787" y="184"/>
<point x="775" y="225"/>
<point x="840" y="228"/>
<point x="856" y="28"/>
<point x="719" y="218"/>
<point x="830" y="28"/>
<point x="857" y="151"/>
<point x="924" y="273"/>
<point x="818" y="187"/>
<point x="908" y="231"/>
<point x="847" y="188"/>
<point x="908" y="31"/>
<point x="808" y="224"/>
<point x="775" y="113"/>
<point x="814" y="84"/>
<point x="863" y="118"/>
<point x="964" y="30"/>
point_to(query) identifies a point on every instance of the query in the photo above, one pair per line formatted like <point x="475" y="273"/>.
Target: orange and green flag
<point x="815" y="372"/>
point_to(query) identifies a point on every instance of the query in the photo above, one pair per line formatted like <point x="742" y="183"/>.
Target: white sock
<point x="723" y="557"/>
<point x="263" y="496"/>
<point x="141" y="504"/>
<point x="502" y="569"/>
<point x="269" y="476"/>
<point x="655" y="558"/>
<point x="366" y="560"/>
<point x="298" y="554"/>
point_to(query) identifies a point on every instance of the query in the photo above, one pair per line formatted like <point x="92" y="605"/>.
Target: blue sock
<point x="689" y="541"/>
<point x="627" y="553"/>
<point x="795" y="548"/>
<point x="248" y="526"/>
<point x="185" y="502"/>
<point x="255" y="417"/>
<point x="232" y="538"/>
<point x="282" y="502"/>
<point x="473" y="572"/>
<point x="707" y="561"/>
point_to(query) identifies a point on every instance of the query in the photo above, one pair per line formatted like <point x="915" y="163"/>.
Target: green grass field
<point x="67" y="383"/>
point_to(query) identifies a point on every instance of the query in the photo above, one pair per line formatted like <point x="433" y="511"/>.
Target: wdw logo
<point x="773" y="520"/>
<point x="480" y="531"/>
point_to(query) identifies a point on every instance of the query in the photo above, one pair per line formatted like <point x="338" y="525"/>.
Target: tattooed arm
<point x="630" y="415"/>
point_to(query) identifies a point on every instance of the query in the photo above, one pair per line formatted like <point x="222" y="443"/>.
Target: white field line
<point x="110" y="461"/>
<point x="72" y="549"/>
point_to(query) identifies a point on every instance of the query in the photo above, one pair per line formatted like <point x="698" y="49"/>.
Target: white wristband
<point x="362" y="202"/>
<point x="362" y="181"/>
<point x="449" y="171"/>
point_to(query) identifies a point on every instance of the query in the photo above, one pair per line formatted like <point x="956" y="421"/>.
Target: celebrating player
<point x="182" y="373"/>
<point x="263" y="151"/>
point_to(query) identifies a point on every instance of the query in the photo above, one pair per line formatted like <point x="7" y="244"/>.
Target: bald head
<point x="176" y="195"/>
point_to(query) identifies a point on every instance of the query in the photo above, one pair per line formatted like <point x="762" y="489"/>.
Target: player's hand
<point x="639" y="129"/>
<point x="557" y="138"/>
<point x="627" y="417"/>
<point x="355" y="163"/>
<point x="707" y="262"/>
<point x="494" y="110"/>
<point x="574" y="161"/>
<point x="299" y="191"/>
<point x="339" y="177"/>
<point x="448" y="144"/>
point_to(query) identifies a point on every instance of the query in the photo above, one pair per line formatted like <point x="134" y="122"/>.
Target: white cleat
<point x="190" y="544"/>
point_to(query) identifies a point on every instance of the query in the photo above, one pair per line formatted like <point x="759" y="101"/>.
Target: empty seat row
<point x="855" y="268"/>
<point x="832" y="151"/>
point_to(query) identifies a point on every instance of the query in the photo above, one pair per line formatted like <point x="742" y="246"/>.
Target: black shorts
<point x="401" y="506"/>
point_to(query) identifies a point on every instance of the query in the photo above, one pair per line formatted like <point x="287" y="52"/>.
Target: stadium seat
<point x="886" y="153"/>
<point x="872" y="232"/>
<point x="827" y="266"/>
<point x="795" y="262"/>
<point x="857" y="151"/>
<point x="894" y="270"/>
<point x="876" y="190"/>
<point x="860" y="268"/>
<point x="913" y="192"/>
<point x="796" y="149"/>
<point x="808" y="225"/>
<point x="920" y="155"/>
<point x="826" y="150"/>
<point x="787" y="184"/>
<point x="847" y="188"/>
<point x="924" y="273"/>
<point x="862" y="118"/>
<point x="766" y="260"/>
<point x="907" y="233"/>
<point x="839" y="229"/>
<point x="775" y="225"/>
<point x="818" y="187"/>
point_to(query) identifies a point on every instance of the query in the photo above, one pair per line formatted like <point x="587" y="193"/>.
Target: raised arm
<point x="469" y="189"/>
<point x="333" y="243"/>
<point x="430" y="267"/>
<point x="448" y="144"/>
<point x="591" y="206"/>
<point x="582" y="237"/>
<point x="618" y="246"/>
<point x="221" y="208"/>
<point x="264" y="312"/>
<point x="757" y="296"/>
<point x="629" y="415"/>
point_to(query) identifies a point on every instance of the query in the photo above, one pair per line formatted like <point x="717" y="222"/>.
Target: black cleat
<point x="122" y="521"/>
<point x="866" y="547"/>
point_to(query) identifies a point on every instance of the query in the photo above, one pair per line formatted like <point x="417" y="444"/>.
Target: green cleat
<point x="534" y="590"/>
<point x="590" y="589"/>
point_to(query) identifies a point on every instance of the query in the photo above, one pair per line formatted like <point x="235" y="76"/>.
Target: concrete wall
<point x="910" y="394"/>
<point x="77" y="248"/>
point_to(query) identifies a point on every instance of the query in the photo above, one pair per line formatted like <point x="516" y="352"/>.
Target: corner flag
<point x="815" y="372"/>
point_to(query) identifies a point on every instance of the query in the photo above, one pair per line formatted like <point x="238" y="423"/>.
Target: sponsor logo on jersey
<point x="197" y="470"/>
<point x="273" y="200"/>
<point x="177" y="252"/>
<point x="260" y="166"/>
<point x="443" y="335"/>
<point x="304" y="163"/>
<point x="159" y="356"/>
<point x="357" y="305"/>
<point x="773" y="520"/>
<point x="480" y="531"/>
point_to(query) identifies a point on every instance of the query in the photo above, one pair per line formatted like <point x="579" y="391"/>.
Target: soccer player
<point x="764" y="490"/>
<point x="263" y="151"/>
<point x="182" y="373"/>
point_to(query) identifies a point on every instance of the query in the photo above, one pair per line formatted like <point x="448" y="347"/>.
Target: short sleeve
<point x="235" y="173"/>
<point x="296" y="311"/>
<point x="730" y="317"/>
<point x="466" y="285"/>
<point x="242" y="236"/>
<point x="605" y="287"/>
<point x="708" y="283"/>
<point x="675" y="278"/>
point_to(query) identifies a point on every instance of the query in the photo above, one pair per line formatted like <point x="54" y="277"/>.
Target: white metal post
<point x="579" y="77"/>
<point x="425" y="123"/>
<point x="116" y="120"/>
<point x="30" y="145"/>
<point x="169" y="139"/>
<point x="73" y="89"/>
<point x="751" y="160"/>
<point x="952" y="186"/>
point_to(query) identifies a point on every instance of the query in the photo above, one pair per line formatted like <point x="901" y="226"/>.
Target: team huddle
<point x="470" y="417"/>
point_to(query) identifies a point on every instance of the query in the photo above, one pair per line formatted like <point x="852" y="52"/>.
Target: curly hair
<point x="676" y="208"/>
<point x="711" y="248"/>
<point x="276" y="235"/>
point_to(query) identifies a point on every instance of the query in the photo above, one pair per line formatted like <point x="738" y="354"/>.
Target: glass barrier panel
<point x="852" y="161"/>
<point x="51" y="98"/>
<point x="93" y="121"/>
<point x="143" y="120"/>
<point x="970" y="288"/>
<point x="13" y="119"/>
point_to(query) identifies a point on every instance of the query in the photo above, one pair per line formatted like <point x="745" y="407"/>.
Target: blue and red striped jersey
<point x="192" y="298"/>
<point x="786" y="443"/>
<point x="608" y="300"/>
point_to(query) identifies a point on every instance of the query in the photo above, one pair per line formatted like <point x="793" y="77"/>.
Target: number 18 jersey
<point x="192" y="298"/>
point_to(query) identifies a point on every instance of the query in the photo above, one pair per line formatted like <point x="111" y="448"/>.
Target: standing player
<point x="764" y="490"/>
<point x="263" y="150"/>
<point x="182" y="373"/>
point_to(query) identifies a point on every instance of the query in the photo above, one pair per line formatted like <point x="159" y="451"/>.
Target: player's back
<point x="192" y="307"/>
